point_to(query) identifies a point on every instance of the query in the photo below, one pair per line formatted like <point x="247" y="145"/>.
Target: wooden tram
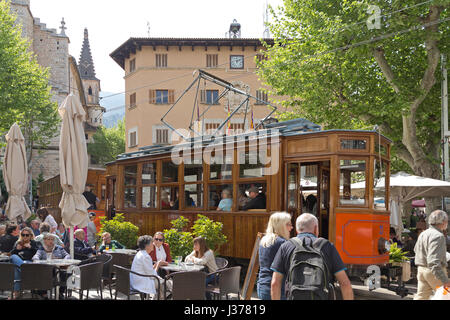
<point x="339" y="168"/>
<point x="50" y="192"/>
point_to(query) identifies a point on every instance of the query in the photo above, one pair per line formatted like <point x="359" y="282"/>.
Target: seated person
<point x="44" y="228"/>
<point x="393" y="238"/>
<point x="165" y="202"/>
<point x="257" y="199"/>
<point x="143" y="264"/>
<point x="109" y="243"/>
<point x="188" y="201"/>
<point x="243" y="199"/>
<point x="162" y="250"/>
<point x="227" y="202"/>
<point x="82" y="250"/>
<point x="24" y="250"/>
<point x="50" y="250"/>
<point x="8" y="241"/>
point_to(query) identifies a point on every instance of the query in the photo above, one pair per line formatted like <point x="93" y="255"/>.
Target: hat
<point x="253" y="189"/>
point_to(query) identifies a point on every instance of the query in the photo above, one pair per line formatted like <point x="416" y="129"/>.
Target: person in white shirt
<point x="143" y="264"/>
<point x="46" y="217"/>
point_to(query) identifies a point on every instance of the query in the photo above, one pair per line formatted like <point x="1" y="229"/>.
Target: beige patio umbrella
<point x="15" y="174"/>
<point x="73" y="165"/>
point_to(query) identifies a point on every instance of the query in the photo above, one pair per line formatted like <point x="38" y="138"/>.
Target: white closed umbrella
<point x="15" y="175"/>
<point x="73" y="166"/>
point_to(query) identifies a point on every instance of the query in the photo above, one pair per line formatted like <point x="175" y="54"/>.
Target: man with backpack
<point x="309" y="265"/>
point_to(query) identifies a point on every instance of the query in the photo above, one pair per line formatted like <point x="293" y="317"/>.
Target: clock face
<point x="236" y="62"/>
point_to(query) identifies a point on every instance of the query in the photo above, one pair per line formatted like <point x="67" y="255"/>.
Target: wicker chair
<point x="123" y="283"/>
<point x="187" y="285"/>
<point x="221" y="263"/>
<point x="120" y="259"/>
<point x="107" y="270"/>
<point x="228" y="282"/>
<point x="37" y="277"/>
<point x="91" y="278"/>
<point x="7" y="277"/>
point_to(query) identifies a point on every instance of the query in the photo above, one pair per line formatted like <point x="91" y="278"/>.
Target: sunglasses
<point x="26" y="235"/>
<point x="159" y="240"/>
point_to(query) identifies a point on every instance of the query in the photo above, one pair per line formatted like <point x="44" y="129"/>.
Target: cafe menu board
<point x="252" y="270"/>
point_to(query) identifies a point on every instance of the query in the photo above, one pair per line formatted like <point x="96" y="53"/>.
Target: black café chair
<point x="90" y="278"/>
<point x="228" y="282"/>
<point x="123" y="283"/>
<point x="187" y="285"/>
<point x="120" y="259"/>
<point x="7" y="277"/>
<point x="37" y="277"/>
<point x="107" y="270"/>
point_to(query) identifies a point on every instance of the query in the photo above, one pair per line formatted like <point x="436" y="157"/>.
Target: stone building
<point x="52" y="51"/>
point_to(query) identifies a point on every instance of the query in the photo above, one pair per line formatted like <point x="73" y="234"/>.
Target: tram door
<point x="308" y="191"/>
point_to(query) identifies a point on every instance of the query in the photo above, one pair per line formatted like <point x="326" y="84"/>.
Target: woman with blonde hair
<point x="277" y="232"/>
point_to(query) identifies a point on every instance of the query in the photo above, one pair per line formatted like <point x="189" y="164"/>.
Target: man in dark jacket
<point x="81" y="248"/>
<point x="257" y="199"/>
<point x="9" y="239"/>
<point x="90" y="197"/>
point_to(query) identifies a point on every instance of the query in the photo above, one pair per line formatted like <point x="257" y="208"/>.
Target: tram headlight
<point x="383" y="245"/>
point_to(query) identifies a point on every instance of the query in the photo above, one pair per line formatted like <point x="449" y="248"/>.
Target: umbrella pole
<point x="71" y="243"/>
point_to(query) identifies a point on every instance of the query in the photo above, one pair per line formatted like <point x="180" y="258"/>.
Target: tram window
<point x="245" y="200"/>
<point x="130" y="197"/>
<point x="193" y="196"/>
<point x="215" y="196"/>
<point x="130" y="175"/>
<point x="292" y="186"/>
<point x="378" y="185"/>
<point x="149" y="173"/>
<point x="221" y="167"/>
<point x="355" y="144"/>
<point x="193" y="172"/>
<point x="169" y="198"/>
<point x="169" y="172"/>
<point x="250" y="165"/>
<point x="149" y="196"/>
<point x="381" y="149"/>
<point x="352" y="186"/>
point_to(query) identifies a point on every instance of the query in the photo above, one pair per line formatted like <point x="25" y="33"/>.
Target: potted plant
<point x="179" y="241"/>
<point x="211" y="231"/>
<point x="124" y="232"/>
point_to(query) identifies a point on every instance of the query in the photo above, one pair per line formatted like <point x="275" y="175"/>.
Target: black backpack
<point x="309" y="277"/>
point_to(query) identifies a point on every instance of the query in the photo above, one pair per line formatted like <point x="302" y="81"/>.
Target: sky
<point x="111" y="22"/>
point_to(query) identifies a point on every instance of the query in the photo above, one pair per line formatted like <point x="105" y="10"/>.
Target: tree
<point x="108" y="143"/>
<point x="25" y="94"/>
<point x="342" y="74"/>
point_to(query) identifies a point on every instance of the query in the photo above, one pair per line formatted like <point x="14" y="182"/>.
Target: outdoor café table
<point x="172" y="267"/>
<point x="60" y="264"/>
<point x="4" y="258"/>
<point x="126" y="251"/>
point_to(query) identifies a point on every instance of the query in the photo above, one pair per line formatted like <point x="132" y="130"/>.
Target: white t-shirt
<point x="51" y="221"/>
<point x="160" y="254"/>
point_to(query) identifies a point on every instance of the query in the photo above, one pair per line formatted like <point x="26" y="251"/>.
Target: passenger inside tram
<point x="257" y="199"/>
<point x="227" y="201"/>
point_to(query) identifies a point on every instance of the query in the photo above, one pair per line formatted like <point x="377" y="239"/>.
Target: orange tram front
<point x="341" y="176"/>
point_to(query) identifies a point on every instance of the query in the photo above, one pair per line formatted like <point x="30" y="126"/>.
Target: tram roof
<point x="288" y="128"/>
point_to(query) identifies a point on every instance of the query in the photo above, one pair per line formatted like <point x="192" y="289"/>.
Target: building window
<point x="90" y="91"/>
<point x="236" y="62"/>
<point x="161" y="96"/>
<point x="132" y="65"/>
<point x="161" y="60"/>
<point x="132" y="138"/>
<point x="162" y="136"/>
<point x="132" y="100"/>
<point x="209" y="96"/>
<point x="261" y="57"/>
<point x="261" y="96"/>
<point x="212" y="60"/>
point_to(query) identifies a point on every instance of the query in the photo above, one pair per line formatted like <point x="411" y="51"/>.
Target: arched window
<point x="90" y="91"/>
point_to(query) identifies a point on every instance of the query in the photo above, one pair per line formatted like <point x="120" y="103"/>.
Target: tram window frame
<point x="162" y="172"/>
<point x="385" y="165"/>
<point x="153" y="184"/>
<point x="199" y="183"/>
<point x="366" y="192"/>
<point x="130" y="186"/>
<point x="220" y="186"/>
<point x="366" y="139"/>
<point x="241" y="170"/>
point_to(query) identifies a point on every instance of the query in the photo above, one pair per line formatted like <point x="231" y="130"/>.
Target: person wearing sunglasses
<point x="24" y="250"/>
<point x="108" y="243"/>
<point x="162" y="250"/>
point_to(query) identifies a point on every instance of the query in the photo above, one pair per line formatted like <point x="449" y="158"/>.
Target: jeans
<point x="264" y="292"/>
<point x="210" y="279"/>
<point x="15" y="259"/>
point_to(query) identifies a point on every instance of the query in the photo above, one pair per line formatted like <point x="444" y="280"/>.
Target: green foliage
<point x="181" y="242"/>
<point x="210" y="230"/>
<point x="124" y="232"/>
<point x="396" y="254"/>
<point x="25" y="95"/>
<point x="333" y="75"/>
<point x="108" y="143"/>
